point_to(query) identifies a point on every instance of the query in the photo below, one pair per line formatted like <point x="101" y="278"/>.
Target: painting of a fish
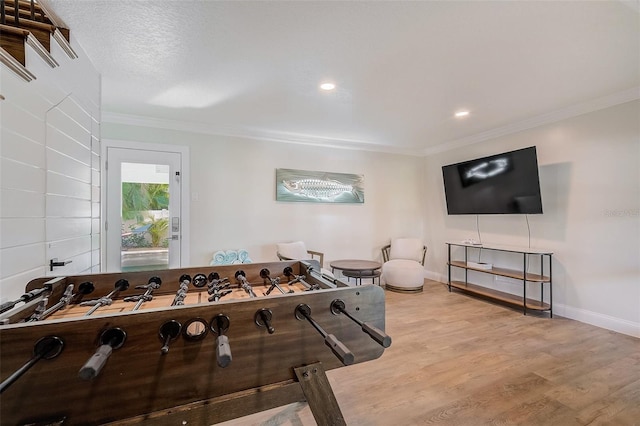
<point x="319" y="187"/>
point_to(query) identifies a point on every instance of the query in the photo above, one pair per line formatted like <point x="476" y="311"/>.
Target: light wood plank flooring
<point x="458" y="360"/>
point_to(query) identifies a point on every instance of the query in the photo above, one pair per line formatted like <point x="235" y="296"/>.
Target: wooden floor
<point x="458" y="360"/>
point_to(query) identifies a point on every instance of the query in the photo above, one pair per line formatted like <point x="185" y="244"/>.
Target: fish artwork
<point x="321" y="189"/>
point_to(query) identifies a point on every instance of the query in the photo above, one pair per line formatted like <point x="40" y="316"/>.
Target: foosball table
<point x="183" y="346"/>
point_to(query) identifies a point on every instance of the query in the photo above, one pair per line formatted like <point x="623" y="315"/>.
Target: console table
<point x="518" y="274"/>
<point x="358" y="269"/>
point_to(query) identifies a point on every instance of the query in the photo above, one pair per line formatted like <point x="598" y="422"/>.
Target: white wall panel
<point x="23" y="123"/>
<point x="58" y="206"/>
<point x="95" y="210"/>
<point x="14" y="260"/>
<point x="46" y="141"/>
<point x="21" y="231"/>
<point x="68" y="166"/>
<point x="30" y="100"/>
<point x="95" y="241"/>
<point x="95" y="194"/>
<point x="63" y="185"/>
<point x="14" y="175"/>
<point x="95" y="161"/>
<point x="95" y="226"/>
<point x="69" y="133"/>
<point x="95" y="142"/>
<point x="95" y="258"/>
<point x="63" y="144"/>
<point x="95" y="179"/>
<point x="76" y="128"/>
<point x="60" y="228"/>
<point x="21" y="203"/>
<point x="66" y="249"/>
<point x="19" y="148"/>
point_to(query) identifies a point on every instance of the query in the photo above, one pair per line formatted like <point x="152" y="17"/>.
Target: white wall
<point x="590" y="181"/>
<point x="233" y="196"/>
<point x="50" y="168"/>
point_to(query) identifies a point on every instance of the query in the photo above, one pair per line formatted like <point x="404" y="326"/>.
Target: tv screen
<point x="505" y="183"/>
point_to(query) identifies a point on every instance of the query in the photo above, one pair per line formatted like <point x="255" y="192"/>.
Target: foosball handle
<point x="169" y="331"/>
<point x="376" y="334"/>
<point x="339" y="349"/>
<point x="94" y="365"/>
<point x="111" y="339"/>
<point x="223" y="351"/>
<point x="263" y="319"/>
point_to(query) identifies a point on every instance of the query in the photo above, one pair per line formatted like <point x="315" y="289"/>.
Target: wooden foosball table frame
<point x="270" y="364"/>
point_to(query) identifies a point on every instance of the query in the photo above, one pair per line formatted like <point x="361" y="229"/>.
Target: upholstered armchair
<point x="403" y="267"/>
<point x="297" y="251"/>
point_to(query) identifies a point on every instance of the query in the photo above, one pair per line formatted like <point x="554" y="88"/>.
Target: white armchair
<point x="297" y="251"/>
<point x="403" y="267"/>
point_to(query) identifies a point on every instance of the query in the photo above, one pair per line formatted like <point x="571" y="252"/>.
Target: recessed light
<point x="461" y="114"/>
<point x="327" y="86"/>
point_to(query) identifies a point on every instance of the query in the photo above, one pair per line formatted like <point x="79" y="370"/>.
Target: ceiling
<point x="402" y="69"/>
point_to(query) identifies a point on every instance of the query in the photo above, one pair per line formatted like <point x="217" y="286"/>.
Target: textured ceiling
<point x="402" y="68"/>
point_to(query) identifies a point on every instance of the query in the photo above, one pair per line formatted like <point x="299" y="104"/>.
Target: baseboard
<point x="435" y="276"/>
<point x="607" y="322"/>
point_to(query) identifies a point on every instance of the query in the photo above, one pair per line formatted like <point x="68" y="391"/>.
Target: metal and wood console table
<point x="517" y="274"/>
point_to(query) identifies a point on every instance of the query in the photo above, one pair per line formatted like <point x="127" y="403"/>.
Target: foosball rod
<point x="65" y="299"/>
<point x="265" y="275"/>
<point x="303" y="311"/>
<point x="120" y="285"/>
<point x="288" y="272"/>
<point x="27" y="297"/>
<point x="48" y="348"/>
<point x="39" y="310"/>
<point x="178" y="300"/>
<point x="338" y="307"/>
<point x="217" y="287"/>
<point x="153" y="284"/>
<point x="215" y="280"/>
<point x="244" y="284"/>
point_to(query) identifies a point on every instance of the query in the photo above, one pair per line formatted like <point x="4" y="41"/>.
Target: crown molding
<point x="254" y="133"/>
<point x="614" y="99"/>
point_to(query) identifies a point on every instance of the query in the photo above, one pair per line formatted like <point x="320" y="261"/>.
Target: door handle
<point x="53" y="263"/>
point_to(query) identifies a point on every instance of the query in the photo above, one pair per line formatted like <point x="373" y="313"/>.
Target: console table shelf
<point x="517" y="274"/>
<point x="500" y="295"/>
<point x="503" y="272"/>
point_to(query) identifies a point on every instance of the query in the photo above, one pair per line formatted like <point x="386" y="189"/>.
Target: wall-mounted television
<point x="506" y="183"/>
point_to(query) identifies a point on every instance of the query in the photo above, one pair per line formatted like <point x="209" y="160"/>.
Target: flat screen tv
<point x="506" y="183"/>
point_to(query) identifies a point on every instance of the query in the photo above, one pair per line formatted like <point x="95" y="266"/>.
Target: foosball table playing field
<point x="183" y="346"/>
